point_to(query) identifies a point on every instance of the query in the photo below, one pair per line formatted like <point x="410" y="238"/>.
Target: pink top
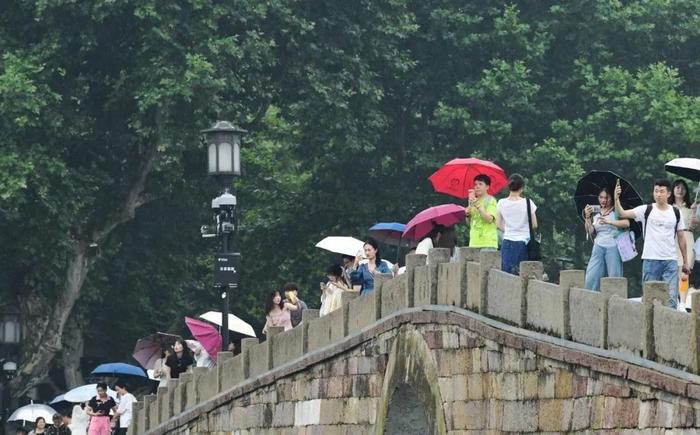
<point x="281" y="318"/>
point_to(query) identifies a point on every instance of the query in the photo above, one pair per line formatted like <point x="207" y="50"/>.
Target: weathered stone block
<point x="287" y="346"/>
<point x="259" y="358"/>
<point x="363" y="311"/>
<point x="626" y="326"/>
<point x="555" y="415"/>
<point x="327" y="329"/>
<point x="469" y="415"/>
<point x="394" y="296"/>
<point x="673" y="335"/>
<point x="546" y="307"/>
<point x="587" y="314"/>
<point x="520" y="416"/>
<point x="506" y="297"/>
<point x="452" y="284"/>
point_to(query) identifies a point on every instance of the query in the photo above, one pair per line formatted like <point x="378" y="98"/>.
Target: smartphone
<point x="596" y="208"/>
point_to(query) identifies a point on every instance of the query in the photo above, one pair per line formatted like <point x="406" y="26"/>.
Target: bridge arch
<point x="411" y="400"/>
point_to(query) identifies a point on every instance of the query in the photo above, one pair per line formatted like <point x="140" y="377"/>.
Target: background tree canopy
<point x="351" y="105"/>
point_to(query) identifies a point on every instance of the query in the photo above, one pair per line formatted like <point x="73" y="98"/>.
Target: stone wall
<point x="500" y="352"/>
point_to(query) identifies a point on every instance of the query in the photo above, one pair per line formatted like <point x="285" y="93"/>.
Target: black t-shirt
<point x="179" y="365"/>
<point x="102" y="407"/>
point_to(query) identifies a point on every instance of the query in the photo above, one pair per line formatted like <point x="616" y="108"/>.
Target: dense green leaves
<point x="351" y="106"/>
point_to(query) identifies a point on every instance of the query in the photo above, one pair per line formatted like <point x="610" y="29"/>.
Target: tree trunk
<point x="45" y="327"/>
<point x="43" y="335"/>
<point x="73" y="344"/>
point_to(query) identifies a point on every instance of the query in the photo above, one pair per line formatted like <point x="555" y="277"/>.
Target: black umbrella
<point x="592" y="183"/>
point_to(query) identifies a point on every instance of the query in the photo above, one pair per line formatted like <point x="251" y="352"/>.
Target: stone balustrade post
<point x="147" y="421"/>
<point x="466" y="254"/>
<point x="487" y="260"/>
<point x="611" y="287"/>
<point x="412" y="261"/>
<point x="180" y="401"/>
<point x="306" y="317"/>
<point x="246" y="344"/>
<point x="529" y="270"/>
<point x="652" y="291"/>
<point x="221" y="358"/>
<point x="435" y="257"/>
<point x="695" y="332"/>
<point x="567" y="280"/>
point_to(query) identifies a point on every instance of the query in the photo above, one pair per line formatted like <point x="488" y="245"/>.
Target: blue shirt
<point x="365" y="278"/>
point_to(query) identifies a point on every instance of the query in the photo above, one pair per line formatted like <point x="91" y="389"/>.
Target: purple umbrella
<point x="149" y="349"/>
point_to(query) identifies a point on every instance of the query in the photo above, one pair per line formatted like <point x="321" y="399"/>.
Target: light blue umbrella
<point x="118" y="369"/>
<point x="59" y="398"/>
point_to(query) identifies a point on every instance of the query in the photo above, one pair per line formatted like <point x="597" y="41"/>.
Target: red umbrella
<point x="456" y="177"/>
<point x="422" y="223"/>
<point x="206" y="334"/>
<point x="148" y="349"/>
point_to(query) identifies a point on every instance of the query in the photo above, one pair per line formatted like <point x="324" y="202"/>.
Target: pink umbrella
<point x="206" y="334"/>
<point x="422" y="223"/>
<point x="148" y="349"/>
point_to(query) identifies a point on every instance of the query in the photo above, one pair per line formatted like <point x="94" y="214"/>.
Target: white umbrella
<point x="85" y="393"/>
<point x="341" y="245"/>
<point x="32" y="412"/>
<point x="685" y="167"/>
<point x="235" y="324"/>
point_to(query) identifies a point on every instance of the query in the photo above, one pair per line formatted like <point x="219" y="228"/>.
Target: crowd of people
<point x="101" y="415"/>
<point x="670" y="252"/>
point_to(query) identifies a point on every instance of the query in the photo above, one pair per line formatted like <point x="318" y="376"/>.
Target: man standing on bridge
<point x="662" y="227"/>
<point x="481" y="214"/>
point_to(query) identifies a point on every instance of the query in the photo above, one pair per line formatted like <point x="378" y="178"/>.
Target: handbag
<point x="625" y="245"/>
<point x="533" y="245"/>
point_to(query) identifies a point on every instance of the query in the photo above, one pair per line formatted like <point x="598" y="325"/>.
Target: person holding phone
<point x="481" y="215"/>
<point x="663" y="227"/>
<point x="602" y="225"/>
<point x="363" y="272"/>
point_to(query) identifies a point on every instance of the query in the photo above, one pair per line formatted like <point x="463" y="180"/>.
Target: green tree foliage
<point x="351" y="106"/>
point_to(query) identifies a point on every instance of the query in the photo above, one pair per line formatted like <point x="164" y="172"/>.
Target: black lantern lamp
<point x="224" y="151"/>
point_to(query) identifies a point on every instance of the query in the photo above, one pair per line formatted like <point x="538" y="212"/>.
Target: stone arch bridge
<point x="454" y="348"/>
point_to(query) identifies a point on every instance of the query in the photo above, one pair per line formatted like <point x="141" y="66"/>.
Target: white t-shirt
<point x="696" y="248"/>
<point x="124" y="409"/>
<point x="424" y="246"/>
<point x="514" y="215"/>
<point x="659" y="237"/>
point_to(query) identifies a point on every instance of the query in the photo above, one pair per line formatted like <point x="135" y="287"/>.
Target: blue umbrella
<point x="390" y="233"/>
<point x="118" y="369"/>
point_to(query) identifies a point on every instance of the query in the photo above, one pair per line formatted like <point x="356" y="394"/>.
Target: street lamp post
<point x="8" y="371"/>
<point x="224" y="164"/>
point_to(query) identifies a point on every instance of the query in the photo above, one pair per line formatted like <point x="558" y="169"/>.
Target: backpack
<point x="647" y="212"/>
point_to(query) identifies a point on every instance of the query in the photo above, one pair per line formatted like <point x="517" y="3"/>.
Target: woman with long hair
<point x="363" y="271"/>
<point x="680" y="198"/>
<point x="180" y="361"/>
<point x="277" y="312"/>
<point x="603" y="226"/>
<point x="332" y="290"/>
<point x="98" y="409"/>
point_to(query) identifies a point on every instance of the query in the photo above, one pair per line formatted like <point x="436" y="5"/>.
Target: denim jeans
<point x="663" y="270"/>
<point x="603" y="262"/>
<point x="512" y="253"/>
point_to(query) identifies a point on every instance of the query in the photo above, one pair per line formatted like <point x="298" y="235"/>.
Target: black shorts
<point x="695" y="276"/>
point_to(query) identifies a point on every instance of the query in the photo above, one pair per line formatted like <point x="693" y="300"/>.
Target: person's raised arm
<point x="621" y="212"/>
<point x="587" y="221"/>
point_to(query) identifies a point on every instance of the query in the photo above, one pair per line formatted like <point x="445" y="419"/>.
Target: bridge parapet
<point x="605" y="320"/>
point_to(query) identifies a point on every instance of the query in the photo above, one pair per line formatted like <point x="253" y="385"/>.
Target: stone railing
<point x="605" y="319"/>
